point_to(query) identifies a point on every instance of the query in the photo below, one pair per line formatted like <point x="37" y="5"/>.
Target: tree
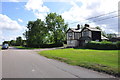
<point x="57" y="27"/>
<point x="36" y="33"/>
<point x="23" y="42"/>
<point x="6" y="42"/>
<point x="12" y="42"/>
<point x="19" y="41"/>
<point x="53" y="30"/>
<point x="111" y="35"/>
<point x="98" y="28"/>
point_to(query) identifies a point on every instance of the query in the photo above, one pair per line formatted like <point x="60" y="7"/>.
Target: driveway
<point x="18" y="63"/>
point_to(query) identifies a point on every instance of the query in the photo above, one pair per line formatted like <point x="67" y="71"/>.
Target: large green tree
<point x="36" y="33"/>
<point x="56" y="27"/>
<point x="53" y="30"/>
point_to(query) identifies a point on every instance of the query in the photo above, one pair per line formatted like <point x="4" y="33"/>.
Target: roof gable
<point x="69" y="30"/>
<point x="73" y="30"/>
<point x="91" y="29"/>
<point x="80" y="30"/>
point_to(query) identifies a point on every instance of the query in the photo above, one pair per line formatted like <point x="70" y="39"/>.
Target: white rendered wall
<point x="72" y="43"/>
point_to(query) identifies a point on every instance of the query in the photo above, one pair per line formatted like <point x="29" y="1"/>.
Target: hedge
<point x="51" y="45"/>
<point x="104" y="45"/>
<point x="59" y="44"/>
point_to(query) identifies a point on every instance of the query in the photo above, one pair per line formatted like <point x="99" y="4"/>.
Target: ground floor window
<point x="86" y="41"/>
<point x="97" y="40"/>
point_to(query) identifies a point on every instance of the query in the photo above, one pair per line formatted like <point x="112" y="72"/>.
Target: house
<point x="78" y="37"/>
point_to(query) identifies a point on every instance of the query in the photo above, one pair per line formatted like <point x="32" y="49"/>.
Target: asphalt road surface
<point x="17" y="63"/>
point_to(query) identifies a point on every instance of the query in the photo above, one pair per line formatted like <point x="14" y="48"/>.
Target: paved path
<point x="18" y="63"/>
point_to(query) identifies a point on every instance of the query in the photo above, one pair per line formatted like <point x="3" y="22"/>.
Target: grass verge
<point x="98" y="60"/>
<point x="0" y="47"/>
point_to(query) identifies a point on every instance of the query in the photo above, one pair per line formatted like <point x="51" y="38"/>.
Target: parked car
<point x="5" y="46"/>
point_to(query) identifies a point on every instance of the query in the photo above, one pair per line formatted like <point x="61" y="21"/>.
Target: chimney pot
<point x="78" y="27"/>
<point x="86" y="25"/>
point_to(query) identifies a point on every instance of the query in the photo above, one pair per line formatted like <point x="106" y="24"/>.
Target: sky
<point x="15" y="14"/>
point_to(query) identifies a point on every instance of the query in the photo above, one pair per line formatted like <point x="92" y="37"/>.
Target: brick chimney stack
<point x="78" y="27"/>
<point x="87" y="25"/>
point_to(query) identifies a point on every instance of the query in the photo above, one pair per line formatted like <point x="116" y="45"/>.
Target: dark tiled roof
<point x="75" y="30"/>
<point x="93" y="29"/>
<point x="104" y="38"/>
<point x="79" y="30"/>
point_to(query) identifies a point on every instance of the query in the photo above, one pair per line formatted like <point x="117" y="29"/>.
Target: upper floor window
<point x="77" y="35"/>
<point x="85" y="33"/>
<point x="70" y="35"/>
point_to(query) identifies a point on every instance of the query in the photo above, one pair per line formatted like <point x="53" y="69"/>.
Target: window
<point x="85" y="33"/>
<point x="97" y="40"/>
<point x="77" y="35"/>
<point x="70" y="35"/>
<point x="86" y="41"/>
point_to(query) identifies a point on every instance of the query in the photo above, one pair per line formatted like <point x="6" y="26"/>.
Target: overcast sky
<point x="15" y="14"/>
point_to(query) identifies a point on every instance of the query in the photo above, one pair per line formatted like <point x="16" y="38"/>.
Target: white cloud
<point x="9" y="24"/>
<point x="38" y="8"/>
<point x="41" y="15"/>
<point x="20" y="20"/>
<point x="1" y="37"/>
<point x="13" y="0"/>
<point x="9" y="28"/>
<point x="36" y="5"/>
<point x="43" y="0"/>
<point x="91" y="8"/>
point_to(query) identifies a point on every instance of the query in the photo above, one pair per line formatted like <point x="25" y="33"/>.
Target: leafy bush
<point x="51" y="45"/>
<point x="104" y="45"/>
<point x="118" y="45"/>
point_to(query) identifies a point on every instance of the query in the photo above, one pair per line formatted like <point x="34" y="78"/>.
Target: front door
<point x="81" y="43"/>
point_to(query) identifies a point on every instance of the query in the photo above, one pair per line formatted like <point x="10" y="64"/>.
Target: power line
<point x="103" y="15"/>
<point x="100" y="19"/>
<point x="106" y="18"/>
<point x="97" y="16"/>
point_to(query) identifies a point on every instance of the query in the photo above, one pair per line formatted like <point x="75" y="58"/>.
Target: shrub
<point x="59" y="44"/>
<point x="118" y="45"/>
<point x="104" y="45"/>
<point x="51" y="45"/>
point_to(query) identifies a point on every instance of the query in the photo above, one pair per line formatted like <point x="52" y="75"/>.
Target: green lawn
<point x="0" y="47"/>
<point x="21" y="47"/>
<point x="100" y="60"/>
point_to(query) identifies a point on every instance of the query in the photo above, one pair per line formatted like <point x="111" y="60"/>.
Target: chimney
<point x="86" y="25"/>
<point x="78" y="27"/>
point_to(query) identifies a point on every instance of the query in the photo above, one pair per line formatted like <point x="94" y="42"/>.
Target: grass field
<point x="21" y="47"/>
<point x="0" y="47"/>
<point x="99" y="60"/>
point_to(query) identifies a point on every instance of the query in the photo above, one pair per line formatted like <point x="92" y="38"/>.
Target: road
<point x="17" y="63"/>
